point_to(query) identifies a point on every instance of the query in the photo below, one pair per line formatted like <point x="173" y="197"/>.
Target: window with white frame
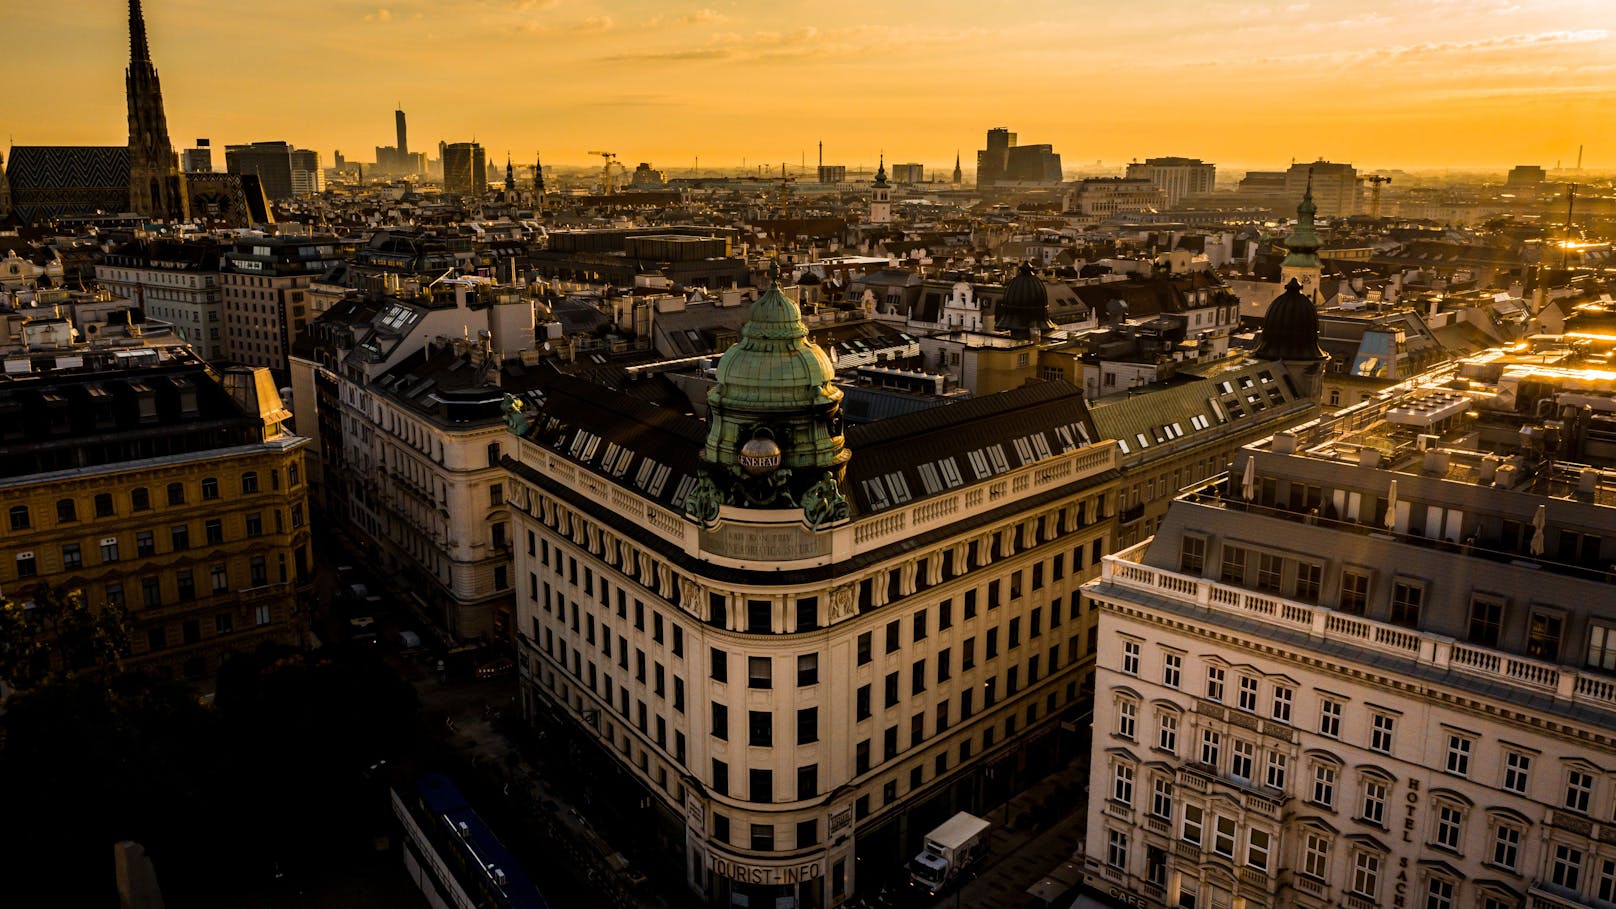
<point x="1605" y="886"/>
<point x="1161" y="797"/>
<point x="1116" y="850"/>
<point x="1278" y="763"/>
<point x="1130" y="657"/>
<point x="1316" y="856"/>
<point x="1579" y="789"/>
<point x="1566" y="869"/>
<point x="1506" y="845"/>
<point x="1211" y="747"/>
<point x="1330" y="718"/>
<point x="1324" y="776"/>
<point x="1449" y="825"/>
<point x="1365" y="874"/>
<point x="1194" y="824"/>
<point x="1374" y="801"/>
<point x="1380" y="733"/>
<point x="1517" y="771"/>
<point x="1127" y="717"/>
<point x="1122" y="784"/>
<point x="1167" y="731"/>
<point x="1223" y="830"/>
<point x="1459" y="748"/>
<point x="1259" y="845"/>
<point x="1242" y="759"/>
<point x="1283" y="696"/>
<point x="1214" y="683"/>
<point x="1247" y="694"/>
<point x="1172" y="669"/>
<point x="1439" y="893"/>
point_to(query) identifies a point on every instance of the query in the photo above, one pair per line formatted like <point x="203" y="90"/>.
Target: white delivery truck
<point x="949" y="849"/>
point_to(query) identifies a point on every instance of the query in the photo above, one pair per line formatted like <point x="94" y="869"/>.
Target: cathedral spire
<point x="139" y="52"/>
<point x="156" y="189"/>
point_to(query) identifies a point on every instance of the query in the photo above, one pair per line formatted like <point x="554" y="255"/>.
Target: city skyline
<point x="1518" y="83"/>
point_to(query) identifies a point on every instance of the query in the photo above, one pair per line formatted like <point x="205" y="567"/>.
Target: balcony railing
<point x="1561" y="682"/>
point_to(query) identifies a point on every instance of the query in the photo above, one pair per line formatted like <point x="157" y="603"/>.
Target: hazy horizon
<point x="1418" y="85"/>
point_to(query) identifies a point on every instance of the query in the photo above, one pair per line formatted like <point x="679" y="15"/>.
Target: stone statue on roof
<point x="515" y="419"/>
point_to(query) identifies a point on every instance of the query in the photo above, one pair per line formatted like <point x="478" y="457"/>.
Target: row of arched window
<point x="140" y="498"/>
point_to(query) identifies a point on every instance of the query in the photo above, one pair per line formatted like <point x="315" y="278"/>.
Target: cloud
<point x="380" y="15"/>
<point x="596" y="24"/>
<point x="1502" y="42"/>
<point x="702" y="15"/>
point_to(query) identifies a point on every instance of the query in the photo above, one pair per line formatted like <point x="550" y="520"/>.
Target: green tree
<point x="56" y="635"/>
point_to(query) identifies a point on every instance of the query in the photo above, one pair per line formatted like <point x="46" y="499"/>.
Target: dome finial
<point x="774" y="272"/>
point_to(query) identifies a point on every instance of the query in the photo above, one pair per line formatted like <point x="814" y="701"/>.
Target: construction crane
<point x="1375" y="182"/>
<point x="607" y="160"/>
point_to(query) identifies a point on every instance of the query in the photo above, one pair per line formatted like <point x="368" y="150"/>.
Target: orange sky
<point x="1379" y="83"/>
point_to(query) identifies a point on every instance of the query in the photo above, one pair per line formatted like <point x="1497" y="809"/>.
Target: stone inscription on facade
<point x="765" y="544"/>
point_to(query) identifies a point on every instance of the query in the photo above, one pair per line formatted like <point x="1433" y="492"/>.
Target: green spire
<point x="1304" y="241"/>
<point x="881" y="171"/>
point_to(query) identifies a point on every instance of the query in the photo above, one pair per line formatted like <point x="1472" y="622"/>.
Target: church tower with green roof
<point x="1302" y="263"/>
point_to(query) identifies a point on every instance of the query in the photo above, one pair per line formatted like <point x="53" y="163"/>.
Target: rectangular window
<point x="1579" y="790"/>
<point x="1248" y="694"/>
<point x="1486" y="620"/>
<point x="1407" y="598"/>
<point x="863" y="702"/>
<point x="807" y="725"/>
<point x="1366" y="874"/>
<point x="1324" y="785"/>
<point x="1354" y="592"/>
<point x="759" y="672"/>
<point x="760" y="728"/>
<point x="1269" y="570"/>
<point x="1192" y="554"/>
<point x="1448" y="821"/>
<point x="1277" y="763"/>
<point x="1223" y="829"/>
<point x="1374" y="802"/>
<point x="1211" y="744"/>
<point x="807" y="670"/>
<point x="1601" y="646"/>
<point x="1242" y="759"/>
<point x="1283" y="696"/>
<point x="1130" y="657"/>
<point x="1517" y="771"/>
<point x="893" y="633"/>
<point x="1543" y="636"/>
<point x="1194" y="823"/>
<point x="1566" y="871"/>
<point x="1233" y="569"/>
<point x="1459" y="754"/>
<point x="1116" y="852"/>
<point x="1380" y="734"/>
<point x="720" y="666"/>
<point x="1127" y="716"/>
<point x="864" y="648"/>
<point x="1258" y="848"/>
<point x="1122" y="785"/>
<point x="71" y="556"/>
<point x="1172" y="669"/>
<point x="1309" y="579"/>
<point x="1167" y="731"/>
<point x="1161" y="797"/>
<point x="1506" y="846"/>
<point x="1214" y="683"/>
<point x="1330" y="718"/>
<point x="1316" y="856"/>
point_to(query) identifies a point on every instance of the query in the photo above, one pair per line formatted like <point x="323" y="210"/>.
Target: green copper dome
<point x="774" y="367"/>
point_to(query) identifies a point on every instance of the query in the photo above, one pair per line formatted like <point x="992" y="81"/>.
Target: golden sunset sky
<point x="1243" y="83"/>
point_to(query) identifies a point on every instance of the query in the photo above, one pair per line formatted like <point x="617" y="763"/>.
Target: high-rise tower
<point x="156" y="189"/>
<point x="403" y="139"/>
